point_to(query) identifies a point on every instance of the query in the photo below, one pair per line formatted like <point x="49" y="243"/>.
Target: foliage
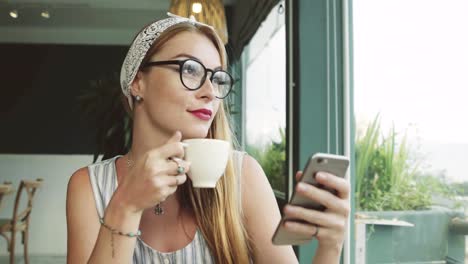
<point x="386" y="176"/>
<point x="437" y="185"/>
<point x="102" y="108"/>
<point x="272" y="158"/>
<point x="461" y="188"/>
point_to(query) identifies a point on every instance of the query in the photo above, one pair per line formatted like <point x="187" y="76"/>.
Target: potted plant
<point x="272" y="158"/>
<point x="393" y="198"/>
<point x="101" y="107"/>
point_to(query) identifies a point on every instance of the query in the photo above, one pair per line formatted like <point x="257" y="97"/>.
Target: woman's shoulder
<point x="247" y="166"/>
<point x="255" y="187"/>
<point x="250" y="165"/>
<point x="78" y="185"/>
<point x="246" y="162"/>
<point x="103" y="163"/>
<point x="81" y="176"/>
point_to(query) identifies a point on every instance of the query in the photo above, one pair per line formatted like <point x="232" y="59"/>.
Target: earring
<point x="138" y="98"/>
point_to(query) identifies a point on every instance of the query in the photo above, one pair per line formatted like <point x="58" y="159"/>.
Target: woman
<point x="140" y="207"/>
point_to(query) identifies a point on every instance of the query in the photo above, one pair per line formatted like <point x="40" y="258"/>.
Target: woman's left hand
<point x="327" y="226"/>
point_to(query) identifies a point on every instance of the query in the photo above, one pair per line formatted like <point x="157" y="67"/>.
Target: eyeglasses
<point x="193" y="74"/>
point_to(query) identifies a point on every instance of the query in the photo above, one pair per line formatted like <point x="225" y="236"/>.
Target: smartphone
<point x="334" y="164"/>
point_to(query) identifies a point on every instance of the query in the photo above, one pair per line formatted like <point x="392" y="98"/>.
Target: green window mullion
<point x="320" y="87"/>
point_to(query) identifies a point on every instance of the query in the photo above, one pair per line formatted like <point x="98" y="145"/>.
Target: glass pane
<point x="265" y="98"/>
<point x="411" y="63"/>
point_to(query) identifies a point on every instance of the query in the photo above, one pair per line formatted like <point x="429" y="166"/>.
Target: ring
<point x="316" y="231"/>
<point x="180" y="169"/>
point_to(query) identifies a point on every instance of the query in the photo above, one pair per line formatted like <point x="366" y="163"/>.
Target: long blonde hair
<point x="218" y="211"/>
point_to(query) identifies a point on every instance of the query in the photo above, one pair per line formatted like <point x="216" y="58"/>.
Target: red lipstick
<point x="203" y="114"/>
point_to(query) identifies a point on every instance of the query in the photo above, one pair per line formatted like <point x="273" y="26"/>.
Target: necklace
<point x="158" y="210"/>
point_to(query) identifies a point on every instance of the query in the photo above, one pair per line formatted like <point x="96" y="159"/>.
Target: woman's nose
<point x="207" y="89"/>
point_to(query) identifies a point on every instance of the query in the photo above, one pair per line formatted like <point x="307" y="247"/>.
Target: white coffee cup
<point x="208" y="158"/>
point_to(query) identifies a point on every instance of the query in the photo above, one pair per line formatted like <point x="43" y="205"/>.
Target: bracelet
<point x="115" y="231"/>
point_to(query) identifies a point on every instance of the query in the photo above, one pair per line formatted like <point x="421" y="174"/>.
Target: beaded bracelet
<point x="115" y="231"/>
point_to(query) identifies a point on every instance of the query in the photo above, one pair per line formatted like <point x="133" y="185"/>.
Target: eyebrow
<point x="194" y="58"/>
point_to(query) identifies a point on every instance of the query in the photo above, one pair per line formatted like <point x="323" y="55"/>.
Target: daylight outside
<point x="265" y="97"/>
<point x="410" y="107"/>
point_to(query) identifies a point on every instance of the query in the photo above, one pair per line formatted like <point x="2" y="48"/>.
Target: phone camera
<point x="320" y="161"/>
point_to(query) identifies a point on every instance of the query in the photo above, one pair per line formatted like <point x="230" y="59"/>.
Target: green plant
<point x="272" y="158"/>
<point x="386" y="176"/>
<point x="461" y="188"/>
<point x="438" y="184"/>
<point x="102" y="108"/>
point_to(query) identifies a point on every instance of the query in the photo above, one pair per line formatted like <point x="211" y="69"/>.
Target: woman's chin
<point x="195" y="134"/>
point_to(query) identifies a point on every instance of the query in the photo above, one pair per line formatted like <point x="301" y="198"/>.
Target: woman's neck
<point x="145" y="137"/>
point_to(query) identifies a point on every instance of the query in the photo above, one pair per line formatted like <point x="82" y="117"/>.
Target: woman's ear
<point x="138" y="85"/>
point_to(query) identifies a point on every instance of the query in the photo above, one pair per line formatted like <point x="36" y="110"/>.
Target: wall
<point x="429" y="241"/>
<point x="39" y="107"/>
<point x="48" y="220"/>
<point x="43" y="133"/>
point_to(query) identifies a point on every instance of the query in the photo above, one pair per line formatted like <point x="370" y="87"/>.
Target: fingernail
<point x="289" y="209"/>
<point x="301" y="186"/>
<point x="184" y="144"/>
<point x="289" y="224"/>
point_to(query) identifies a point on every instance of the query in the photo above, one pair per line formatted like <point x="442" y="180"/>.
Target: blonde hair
<point x="218" y="211"/>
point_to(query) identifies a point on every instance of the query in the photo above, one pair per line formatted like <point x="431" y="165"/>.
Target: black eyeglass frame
<point x="181" y="64"/>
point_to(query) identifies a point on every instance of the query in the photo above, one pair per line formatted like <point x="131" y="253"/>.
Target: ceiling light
<point x="45" y="14"/>
<point x="197" y="7"/>
<point x="14" y="14"/>
<point x="210" y="12"/>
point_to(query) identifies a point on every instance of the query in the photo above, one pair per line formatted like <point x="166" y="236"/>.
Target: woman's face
<point x="167" y="104"/>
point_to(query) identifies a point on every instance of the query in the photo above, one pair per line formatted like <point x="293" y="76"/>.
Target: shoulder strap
<point x="103" y="180"/>
<point x="238" y="157"/>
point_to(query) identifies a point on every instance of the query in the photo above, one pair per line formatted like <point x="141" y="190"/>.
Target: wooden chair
<point x="5" y="189"/>
<point x="20" y="220"/>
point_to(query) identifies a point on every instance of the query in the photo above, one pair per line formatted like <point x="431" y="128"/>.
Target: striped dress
<point x="104" y="182"/>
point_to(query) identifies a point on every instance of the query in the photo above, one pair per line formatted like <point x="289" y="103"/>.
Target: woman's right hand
<point x="153" y="177"/>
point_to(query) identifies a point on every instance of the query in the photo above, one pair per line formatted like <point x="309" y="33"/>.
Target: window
<point x="410" y="91"/>
<point x="265" y="97"/>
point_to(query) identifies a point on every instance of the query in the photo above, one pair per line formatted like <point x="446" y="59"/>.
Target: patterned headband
<point x="142" y="44"/>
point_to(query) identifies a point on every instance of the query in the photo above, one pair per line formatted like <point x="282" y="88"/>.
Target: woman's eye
<point x="190" y="69"/>
<point x="220" y="80"/>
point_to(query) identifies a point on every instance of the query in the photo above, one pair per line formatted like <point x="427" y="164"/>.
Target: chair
<point x="20" y="220"/>
<point x="5" y="189"/>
